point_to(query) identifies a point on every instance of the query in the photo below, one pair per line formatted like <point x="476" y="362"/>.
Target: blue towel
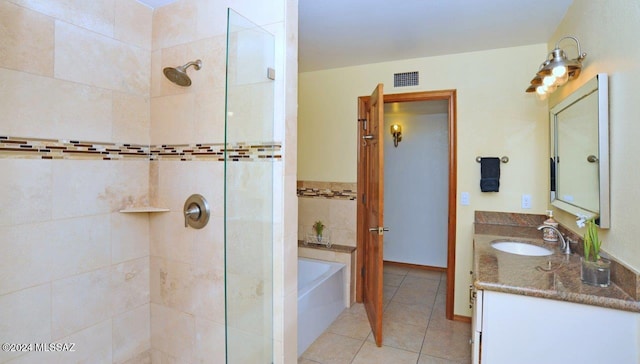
<point x="490" y="174"/>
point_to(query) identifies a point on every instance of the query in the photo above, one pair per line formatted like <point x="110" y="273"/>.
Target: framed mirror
<point x="580" y="152"/>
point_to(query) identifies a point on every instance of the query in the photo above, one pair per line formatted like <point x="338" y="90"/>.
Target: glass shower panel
<point x="249" y="192"/>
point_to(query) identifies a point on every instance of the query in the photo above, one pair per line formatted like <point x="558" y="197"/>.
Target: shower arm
<point x="196" y="64"/>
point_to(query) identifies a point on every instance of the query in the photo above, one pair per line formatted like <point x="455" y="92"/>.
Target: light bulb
<point x="559" y="71"/>
<point x="541" y="90"/>
<point x="549" y="80"/>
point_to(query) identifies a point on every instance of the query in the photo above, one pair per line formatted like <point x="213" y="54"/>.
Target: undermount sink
<point x="520" y="248"/>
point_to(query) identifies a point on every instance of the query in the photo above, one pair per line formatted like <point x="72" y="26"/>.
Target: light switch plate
<point x="464" y="198"/>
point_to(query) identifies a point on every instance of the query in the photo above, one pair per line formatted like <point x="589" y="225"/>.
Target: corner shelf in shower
<point x="144" y="209"/>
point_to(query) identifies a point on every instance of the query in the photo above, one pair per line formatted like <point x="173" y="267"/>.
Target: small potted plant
<point x="594" y="269"/>
<point x="318" y="227"/>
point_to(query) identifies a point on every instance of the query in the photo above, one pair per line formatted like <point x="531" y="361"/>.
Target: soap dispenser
<point x="550" y="234"/>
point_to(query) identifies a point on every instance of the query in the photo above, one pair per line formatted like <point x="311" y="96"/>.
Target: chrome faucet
<point x="566" y="249"/>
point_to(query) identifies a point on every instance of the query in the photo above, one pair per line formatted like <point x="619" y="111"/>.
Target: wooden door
<point x="371" y="206"/>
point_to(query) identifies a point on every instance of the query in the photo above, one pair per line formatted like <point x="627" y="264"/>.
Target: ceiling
<point x="339" y="33"/>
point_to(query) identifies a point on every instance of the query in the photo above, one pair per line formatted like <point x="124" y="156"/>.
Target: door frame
<point x="451" y="97"/>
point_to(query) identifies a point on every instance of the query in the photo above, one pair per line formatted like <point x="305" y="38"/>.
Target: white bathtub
<point x="320" y="298"/>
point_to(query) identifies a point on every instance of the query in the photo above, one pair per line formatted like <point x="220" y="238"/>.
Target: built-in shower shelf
<point x="144" y="209"/>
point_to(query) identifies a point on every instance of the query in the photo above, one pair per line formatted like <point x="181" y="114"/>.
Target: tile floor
<point x="415" y="329"/>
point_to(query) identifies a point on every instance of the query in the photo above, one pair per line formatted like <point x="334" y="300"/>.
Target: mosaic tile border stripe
<point x="215" y="151"/>
<point x="331" y="190"/>
<point x="36" y="148"/>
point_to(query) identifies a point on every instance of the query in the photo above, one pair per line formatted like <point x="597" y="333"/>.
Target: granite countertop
<point x="334" y="247"/>
<point x="555" y="277"/>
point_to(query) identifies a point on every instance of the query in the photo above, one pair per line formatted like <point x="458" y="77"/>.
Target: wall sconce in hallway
<point x="556" y="70"/>
<point x="396" y="132"/>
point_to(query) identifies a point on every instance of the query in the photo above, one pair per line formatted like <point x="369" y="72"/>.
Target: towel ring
<point x="504" y="159"/>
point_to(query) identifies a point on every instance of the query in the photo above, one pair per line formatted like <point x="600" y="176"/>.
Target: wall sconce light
<point x="556" y="70"/>
<point x="396" y="132"/>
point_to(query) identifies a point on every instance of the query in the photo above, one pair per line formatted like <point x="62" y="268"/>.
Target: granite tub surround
<point x="333" y="248"/>
<point x="554" y="277"/>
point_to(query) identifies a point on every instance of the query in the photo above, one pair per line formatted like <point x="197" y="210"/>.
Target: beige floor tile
<point x="394" y="280"/>
<point x="401" y="336"/>
<point x="371" y="354"/>
<point x="388" y="293"/>
<point x="448" y="344"/>
<point x="427" y="359"/>
<point x="420" y="283"/>
<point x="330" y="348"/>
<point x="439" y="321"/>
<point x="416" y="296"/>
<point x="353" y="324"/>
<point x="415" y="328"/>
<point x="390" y="268"/>
<point x="442" y="289"/>
<point x="417" y="315"/>
<point x="441" y="301"/>
<point x="422" y="273"/>
<point x="307" y="361"/>
<point x="356" y="309"/>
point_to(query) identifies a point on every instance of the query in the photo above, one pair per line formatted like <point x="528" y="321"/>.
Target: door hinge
<point x="362" y="272"/>
<point x="364" y="123"/>
<point x="364" y="199"/>
<point x="379" y="229"/>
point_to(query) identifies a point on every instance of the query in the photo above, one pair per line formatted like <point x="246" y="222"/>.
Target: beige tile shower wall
<point x="332" y="203"/>
<point x="195" y="113"/>
<point x="66" y="75"/>
<point x="182" y="32"/>
<point x="187" y="265"/>
<point x="74" y="269"/>
<point x="84" y="262"/>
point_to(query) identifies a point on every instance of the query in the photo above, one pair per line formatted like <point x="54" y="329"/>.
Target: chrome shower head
<point x="178" y="75"/>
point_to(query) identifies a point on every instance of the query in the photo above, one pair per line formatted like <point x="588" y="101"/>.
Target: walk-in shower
<point x="96" y="168"/>
<point x="178" y="75"/>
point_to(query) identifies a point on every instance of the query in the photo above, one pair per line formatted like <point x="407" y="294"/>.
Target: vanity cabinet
<point x="512" y="328"/>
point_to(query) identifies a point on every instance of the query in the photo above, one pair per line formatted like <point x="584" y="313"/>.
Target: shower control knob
<point x="193" y="213"/>
<point x="196" y="212"/>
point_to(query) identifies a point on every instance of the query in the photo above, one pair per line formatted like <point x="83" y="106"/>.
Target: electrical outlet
<point x="464" y="198"/>
<point x="526" y="201"/>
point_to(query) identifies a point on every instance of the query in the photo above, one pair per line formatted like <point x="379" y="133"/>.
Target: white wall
<point x="607" y="31"/>
<point x="495" y="117"/>
<point x="416" y="189"/>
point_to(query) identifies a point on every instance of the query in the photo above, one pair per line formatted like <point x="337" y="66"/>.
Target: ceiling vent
<point x="405" y="79"/>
